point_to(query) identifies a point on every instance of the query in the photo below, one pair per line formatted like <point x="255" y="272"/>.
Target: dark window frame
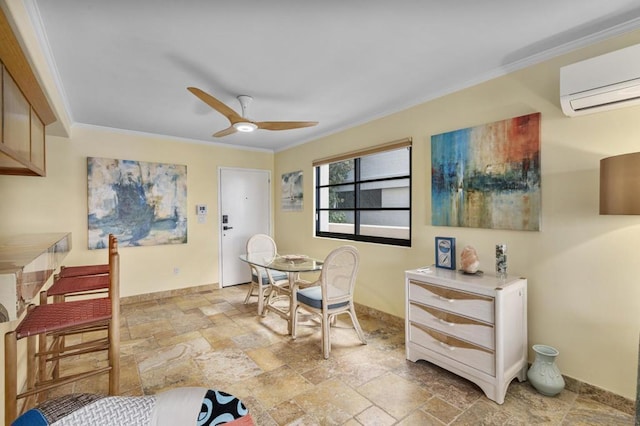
<point x="356" y="210"/>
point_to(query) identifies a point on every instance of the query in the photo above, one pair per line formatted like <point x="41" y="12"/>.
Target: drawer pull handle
<point x="450" y="324"/>
<point x="449" y="347"/>
<point x="446" y="299"/>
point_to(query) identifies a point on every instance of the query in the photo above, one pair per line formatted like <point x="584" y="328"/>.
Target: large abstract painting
<point x="141" y="203"/>
<point x="291" y="191"/>
<point x="488" y="176"/>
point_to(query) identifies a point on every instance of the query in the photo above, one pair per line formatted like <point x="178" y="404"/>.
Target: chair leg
<point x="326" y="337"/>
<point x="114" y="352"/>
<point x="262" y="294"/>
<point x="356" y="324"/>
<point x="266" y="297"/>
<point x="260" y="299"/>
<point x="272" y="293"/>
<point x="10" y="377"/>
<point x="114" y="361"/>
<point x="42" y="360"/>
<point x="294" y="322"/>
<point x="249" y="293"/>
<point x="114" y="324"/>
<point x="58" y="342"/>
<point x="56" y="345"/>
<point x="32" y="372"/>
<point x="42" y="346"/>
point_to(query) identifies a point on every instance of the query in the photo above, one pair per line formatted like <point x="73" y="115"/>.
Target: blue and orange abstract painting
<point x="488" y="176"/>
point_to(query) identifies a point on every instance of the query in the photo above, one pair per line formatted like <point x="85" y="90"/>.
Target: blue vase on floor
<point x="544" y="374"/>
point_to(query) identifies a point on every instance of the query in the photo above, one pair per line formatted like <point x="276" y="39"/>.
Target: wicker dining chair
<point x="264" y="281"/>
<point x="333" y="296"/>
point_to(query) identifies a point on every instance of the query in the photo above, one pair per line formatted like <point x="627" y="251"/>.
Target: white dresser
<point x="473" y="326"/>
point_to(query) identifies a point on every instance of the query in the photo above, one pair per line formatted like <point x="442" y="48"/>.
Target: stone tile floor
<point x="212" y="339"/>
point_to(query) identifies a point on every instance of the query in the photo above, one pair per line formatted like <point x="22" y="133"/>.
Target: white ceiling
<point x="126" y="64"/>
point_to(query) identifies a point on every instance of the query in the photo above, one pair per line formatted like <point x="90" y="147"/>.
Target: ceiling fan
<point x="240" y="123"/>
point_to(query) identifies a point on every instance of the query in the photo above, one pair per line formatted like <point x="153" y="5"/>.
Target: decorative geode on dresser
<point x="469" y="261"/>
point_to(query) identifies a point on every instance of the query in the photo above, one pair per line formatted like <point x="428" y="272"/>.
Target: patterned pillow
<point x="216" y="408"/>
<point x="219" y="408"/>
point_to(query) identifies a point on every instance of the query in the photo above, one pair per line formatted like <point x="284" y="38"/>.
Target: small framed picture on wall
<point x="446" y="252"/>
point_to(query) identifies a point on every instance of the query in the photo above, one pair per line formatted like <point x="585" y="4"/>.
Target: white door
<point x="245" y="210"/>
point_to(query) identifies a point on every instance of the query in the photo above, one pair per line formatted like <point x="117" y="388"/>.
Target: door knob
<point x="226" y="228"/>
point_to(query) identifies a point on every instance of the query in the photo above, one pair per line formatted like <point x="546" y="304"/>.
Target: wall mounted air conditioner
<point x="601" y="83"/>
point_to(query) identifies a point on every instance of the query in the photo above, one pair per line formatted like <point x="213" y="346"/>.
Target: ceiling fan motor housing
<point x="245" y="101"/>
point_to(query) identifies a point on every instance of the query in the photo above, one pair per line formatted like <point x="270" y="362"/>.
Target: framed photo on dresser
<point x="446" y="252"/>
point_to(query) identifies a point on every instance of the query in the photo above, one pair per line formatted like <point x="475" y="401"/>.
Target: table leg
<point x="293" y="287"/>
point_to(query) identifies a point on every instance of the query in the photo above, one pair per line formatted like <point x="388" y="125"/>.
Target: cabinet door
<point x="1" y="100"/>
<point x="16" y="117"/>
<point x="37" y="142"/>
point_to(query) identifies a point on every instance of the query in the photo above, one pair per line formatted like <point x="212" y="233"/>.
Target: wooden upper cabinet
<point x="16" y="114"/>
<point x="37" y="142"/>
<point x="25" y="110"/>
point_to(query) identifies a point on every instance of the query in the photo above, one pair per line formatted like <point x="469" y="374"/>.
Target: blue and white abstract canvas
<point x="141" y="203"/>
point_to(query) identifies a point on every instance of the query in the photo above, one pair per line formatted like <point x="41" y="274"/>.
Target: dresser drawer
<point x="465" y="328"/>
<point x="460" y="302"/>
<point x="466" y="353"/>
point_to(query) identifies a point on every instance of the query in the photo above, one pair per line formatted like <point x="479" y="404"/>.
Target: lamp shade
<point x="620" y="184"/>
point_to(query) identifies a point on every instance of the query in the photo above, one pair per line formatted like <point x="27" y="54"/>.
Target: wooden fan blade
<point x="284" y="125"/>
<point x="223" y="109"/>
<point x="228" y="131"/>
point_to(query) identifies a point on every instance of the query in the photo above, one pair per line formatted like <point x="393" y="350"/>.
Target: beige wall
<point x="584" y="290"/>
<point x="58" y="203"/>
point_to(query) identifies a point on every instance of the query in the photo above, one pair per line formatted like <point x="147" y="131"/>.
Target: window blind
<point x="388" y="146"/>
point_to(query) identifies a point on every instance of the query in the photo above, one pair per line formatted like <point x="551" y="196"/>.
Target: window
<point x="366" y="195"/>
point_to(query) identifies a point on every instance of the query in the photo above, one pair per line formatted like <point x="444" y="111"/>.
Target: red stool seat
<point x="78" y="284"/>
<point x="74" y="271"/>
<point x="55" y="317"/>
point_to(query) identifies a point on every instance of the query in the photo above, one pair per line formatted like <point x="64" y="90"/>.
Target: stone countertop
<point x="27" y="261"/>
<point x="18" y="251"/>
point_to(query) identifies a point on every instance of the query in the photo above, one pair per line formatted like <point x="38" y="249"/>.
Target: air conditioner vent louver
<point x="601" y="83"/>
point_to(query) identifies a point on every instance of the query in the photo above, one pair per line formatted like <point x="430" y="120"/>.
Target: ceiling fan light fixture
<point x="245" y="127"/>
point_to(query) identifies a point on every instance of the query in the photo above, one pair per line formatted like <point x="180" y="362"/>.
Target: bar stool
<point x="64" y="318"/>
<point x="81" y="280"/>
<point x="74" y="281"/>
